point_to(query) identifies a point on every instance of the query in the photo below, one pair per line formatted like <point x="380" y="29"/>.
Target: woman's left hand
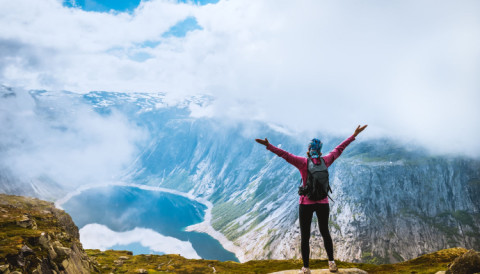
<point x="359" y="129"/>
<point x="263" y="142"/>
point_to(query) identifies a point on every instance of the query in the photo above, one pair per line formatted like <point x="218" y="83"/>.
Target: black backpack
<point x="317" y="185"/>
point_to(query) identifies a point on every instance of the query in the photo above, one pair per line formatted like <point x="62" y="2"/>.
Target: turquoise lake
<point x="123" y="208"/>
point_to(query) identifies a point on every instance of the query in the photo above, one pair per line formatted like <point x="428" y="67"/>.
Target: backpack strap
<point x="309" y="160"/>
<point x="322" y="163"/>
<point x="330" y="198"/>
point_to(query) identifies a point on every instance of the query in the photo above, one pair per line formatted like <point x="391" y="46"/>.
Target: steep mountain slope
<point x="392" y="203"/>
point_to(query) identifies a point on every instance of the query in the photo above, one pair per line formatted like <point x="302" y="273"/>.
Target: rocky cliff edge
<point x="36" y="237"/>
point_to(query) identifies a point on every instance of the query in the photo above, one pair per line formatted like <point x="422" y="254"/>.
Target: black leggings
<point x="305" y="215"/>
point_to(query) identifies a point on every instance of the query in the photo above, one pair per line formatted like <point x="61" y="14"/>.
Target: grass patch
<point x="227" y="212"/>
<point x="430" y="263"/>
<point x="463" y="217"/>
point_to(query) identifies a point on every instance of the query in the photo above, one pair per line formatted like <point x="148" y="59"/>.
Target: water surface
<point x="123" y="208"/>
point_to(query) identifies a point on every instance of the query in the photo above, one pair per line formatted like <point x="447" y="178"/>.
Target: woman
<point x="307" y="206"/>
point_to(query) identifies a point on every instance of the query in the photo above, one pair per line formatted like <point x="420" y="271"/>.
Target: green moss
<point x="397" y="256"/>
<point x="463" y="217"/>
<point x="269" y="242"/>
<point x="366" y="159"/>
<point x="368" y="257"/>
<point x="179" y="181"/>
<point x="257" y="221"/>
<point x="429" y="263"/>
<point x="227" y="212"/>
<point x="334" y="224"/>
<point x="474" y="182"/>
<point x="451" y="232"/>
<point x="233" y="232"/>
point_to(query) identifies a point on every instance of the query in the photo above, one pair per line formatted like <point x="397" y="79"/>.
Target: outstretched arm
<point x="335" y="153"/>
<point x="297" y="161"/>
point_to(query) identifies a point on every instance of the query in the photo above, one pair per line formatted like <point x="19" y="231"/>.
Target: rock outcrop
<point x="467" y="263"/>
<point x="36" y="237"/>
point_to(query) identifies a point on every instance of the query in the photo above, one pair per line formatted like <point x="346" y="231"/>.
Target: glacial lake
<point x="142" y="221"/>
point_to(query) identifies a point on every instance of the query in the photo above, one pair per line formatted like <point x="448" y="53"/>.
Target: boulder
<point x="4" y="268"/>
<point x="26" y="222"/>
<point x="465" y="264"/>
<point x="25" y="250"/>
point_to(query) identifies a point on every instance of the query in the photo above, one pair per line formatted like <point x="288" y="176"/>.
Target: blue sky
<point x="117" y="5"/>
<point x="181" y="28"/>
<point x="103" y="5"/>
<point x="408" y="68"/>
<point x="178" y="30"/>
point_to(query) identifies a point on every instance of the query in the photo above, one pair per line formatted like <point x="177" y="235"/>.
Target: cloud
<point x="14" y="51"/>
<point x="96" y="236"/>
<point x="409" y="69"/>
<point x="64" y="140"/>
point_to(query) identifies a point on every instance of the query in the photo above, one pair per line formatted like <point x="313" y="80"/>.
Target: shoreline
<point x="203" y="227"/>
<point x="206" y="227"/>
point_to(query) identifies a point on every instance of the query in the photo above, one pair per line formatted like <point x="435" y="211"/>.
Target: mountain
<point x="391" y="202"/>
<point x="38" y="238"/>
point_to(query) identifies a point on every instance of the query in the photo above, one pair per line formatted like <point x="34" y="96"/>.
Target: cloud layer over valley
<point x="61" y="139"/>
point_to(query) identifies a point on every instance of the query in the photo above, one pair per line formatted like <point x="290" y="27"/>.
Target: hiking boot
<point x="332" y="266"/>
<point x="304" y="270"/>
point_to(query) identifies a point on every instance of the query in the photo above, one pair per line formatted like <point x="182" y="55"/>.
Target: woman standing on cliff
<point x="307" y="206"/>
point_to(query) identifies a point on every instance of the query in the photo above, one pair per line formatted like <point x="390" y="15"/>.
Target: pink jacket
<point x="301" y="164"/>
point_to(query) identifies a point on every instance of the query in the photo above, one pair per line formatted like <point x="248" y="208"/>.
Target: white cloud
<point x="409" y="69"/>
<point x="66" y="141"/>
<point x="96" y="236"/>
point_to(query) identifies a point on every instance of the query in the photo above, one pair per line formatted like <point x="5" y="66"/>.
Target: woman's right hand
<point x="262" y="142"/>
